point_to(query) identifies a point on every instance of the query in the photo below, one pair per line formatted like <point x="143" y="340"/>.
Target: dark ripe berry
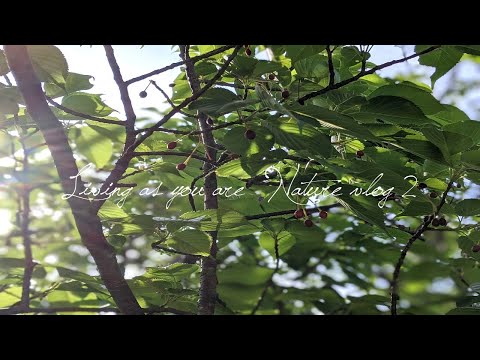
<point x="476" y="248"/>
<point x="308" y="223"/>
<point x="210" y="121"/>
<point x="443" y="222"/>
<point x="171" y="85"/>
<point x="250" y="134"/>
<point x="301" y="102"/>
<point x="271" y="77"/>
<point x="181" y="166"/>
<point x="143" y="94"/>
<point x="248" y="52"/>
<point x="172" y="145"/>
<point x="433" y="194"/>
<point x="422" y="186"/>
<point x="435" y="222"/>
<point x="426" y="218"/>
<point x="323" y="214"/>
<point x="299" y="214"/>
<point x="459" y="186"/>
<point x="285" y="94"/>
<point x="360" y="153"/>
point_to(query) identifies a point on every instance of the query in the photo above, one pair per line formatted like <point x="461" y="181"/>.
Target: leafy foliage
<point x="268" y="262"/>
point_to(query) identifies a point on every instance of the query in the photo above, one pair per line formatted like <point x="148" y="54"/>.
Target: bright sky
<point x="136" y="60"/>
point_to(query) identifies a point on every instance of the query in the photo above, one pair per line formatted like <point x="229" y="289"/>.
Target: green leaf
<point x="213" y="101"/>
<point x="299" y="52"/>
<point x="464" y="311"/>
<point x="9" y="99"/>
<point x="393" y="110"/>
<point x="194" y="242"/>
<point x="449" y="143"/>
<point x="468" y="128"/>
<point x="422" y="148"/>
<point x="472" y="158"/>
<point x="236" y="142"/>
<point x="307" y="138"/>
<point x="468" y="207"/>
<point x="442" y="59"/>
<point x="364" y="207"/>
<point x="94" y="146"/>
<point x="450" y="114"/>
<point x="111" y="211"/>
<point x="4" y="69"/>
<point x="331" y="120"/>
<point x="85" y="103"/>
<point x="315" y="66"/>
<point x="49" y="63"/>
<point x="74" y="82"/>
<point x="421" y="98"/>
<point x="285" y="242"/>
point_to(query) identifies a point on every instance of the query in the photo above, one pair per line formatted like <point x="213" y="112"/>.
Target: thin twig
<point x="291" y="211"/>
<point x="364" y="73"/>
<point x="168" y="99"/>
<point x="418" y="233"/>
<point x="82" y="115"/>
<point x="173" y="251"/>
<point x="331" y="70"/>
<point x="270" y="280"/>
<point x="171" y="153"/>
<point x="179" y="63"/>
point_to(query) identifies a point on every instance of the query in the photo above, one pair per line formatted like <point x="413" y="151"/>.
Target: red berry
<point x="433" y="194"/>
<point x="172" y="145"/>
<point x="323" y="214"/>
<point x="271" y="77"/>
<point x="181" y="166"/>
<point x="248" y="52"/>
<point x="299" y="214"/>
<point x="476" y="248"/>
<point x="308" y="223"/>
<point x="250" y="134"/>
<point x="360" y="153"/>
<point x="285" y="94"/>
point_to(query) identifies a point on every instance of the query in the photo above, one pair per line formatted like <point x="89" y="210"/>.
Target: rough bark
<point x="88" y="223"/>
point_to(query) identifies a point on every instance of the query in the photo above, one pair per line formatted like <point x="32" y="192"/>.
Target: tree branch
<point x="364" y="73"/>
<point x="418" y="233"/>
<point x="179" y="63"/>
<point x="331" y="70"/>
<point x="85" y="116"/>
<point x="208" y="277"/>
<point x="125" y="97"/>
<point x="291" y="211"/>
<point x="88" y="223"/>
